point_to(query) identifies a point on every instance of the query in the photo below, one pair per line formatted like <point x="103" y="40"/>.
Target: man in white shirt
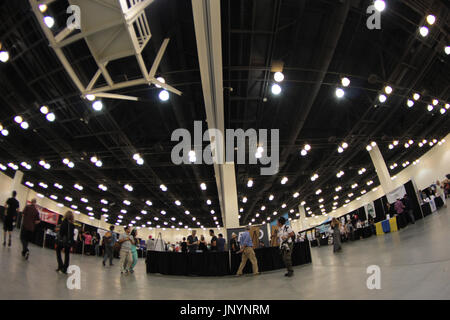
<point x="285" y="235"/>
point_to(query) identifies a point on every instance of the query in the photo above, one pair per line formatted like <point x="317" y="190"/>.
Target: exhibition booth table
<point x="433" y="203"/>
<point x="221" y="263"/>
<point x="386" y="226"/>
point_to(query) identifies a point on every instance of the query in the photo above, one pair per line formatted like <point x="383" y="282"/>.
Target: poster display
<point x="46" y="215"/>
<point x="396" y="194"/>
<point x="239" y="231"/>
<point x="370" y="210"/>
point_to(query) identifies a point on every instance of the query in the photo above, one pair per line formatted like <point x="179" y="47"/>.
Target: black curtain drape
<point x="409" y="187"/>
<point x="379" y="210"/>
<point x="218" y="263"/>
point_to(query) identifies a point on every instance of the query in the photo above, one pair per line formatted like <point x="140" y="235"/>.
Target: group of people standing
<point x="68" y="235"/>
<point x="193" y="244"/>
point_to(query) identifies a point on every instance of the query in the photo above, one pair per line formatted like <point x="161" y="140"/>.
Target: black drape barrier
<point x="323" y="241"/>
<point x="199" y="264"/>
<point x="409" y="187"/>
<point x="379" y="210"/>
<point x="426" y="209"/>
<point x="362" y="214"/>
<point x="218" y="263"/>
<point x="367" y="231"/>
<point x="357" y="234"/>
<point x="439" y="202"/>
<point x="402" y="220"/>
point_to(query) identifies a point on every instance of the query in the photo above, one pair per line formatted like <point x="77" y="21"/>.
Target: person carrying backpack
<point x="109" y="240"/>
<point x="285" y="234"/>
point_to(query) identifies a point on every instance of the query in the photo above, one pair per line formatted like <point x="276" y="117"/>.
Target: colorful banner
<point x="263" y="236"/>
<point x="370" y="210"/>
<point x="46" y="215"/>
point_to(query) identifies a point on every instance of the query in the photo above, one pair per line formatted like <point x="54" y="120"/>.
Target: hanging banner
<point x="370" y="210"/>
<point x="239" y="231"/>
<point x="46" y="215"/>
<point x="396" y="194"/>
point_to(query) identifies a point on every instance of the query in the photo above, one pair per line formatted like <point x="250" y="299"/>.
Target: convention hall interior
<point x="224" y="149"/>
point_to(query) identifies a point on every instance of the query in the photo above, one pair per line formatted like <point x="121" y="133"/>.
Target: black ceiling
<point x="317" y="41"/>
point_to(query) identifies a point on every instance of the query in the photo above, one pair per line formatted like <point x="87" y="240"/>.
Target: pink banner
<point x="47" y="215"/>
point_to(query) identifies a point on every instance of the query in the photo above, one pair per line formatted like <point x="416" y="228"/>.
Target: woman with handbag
<point x="64" y="241"/>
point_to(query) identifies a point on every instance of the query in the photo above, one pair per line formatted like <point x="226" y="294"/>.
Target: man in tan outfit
<point x="247" y="252"/>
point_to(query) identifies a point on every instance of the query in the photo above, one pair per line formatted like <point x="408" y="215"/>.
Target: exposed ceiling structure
<point x="314" y="43"/>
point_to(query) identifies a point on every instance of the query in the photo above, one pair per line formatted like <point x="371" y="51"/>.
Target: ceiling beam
<point x="207" y="23"/>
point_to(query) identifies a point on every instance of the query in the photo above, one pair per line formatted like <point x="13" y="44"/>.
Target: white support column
<point x="17" y="180"/>
<point x="381" y="169"/>
<point x="209" y="47"/>
<point x="301" y="210"/>
<point x="230" y="205"/>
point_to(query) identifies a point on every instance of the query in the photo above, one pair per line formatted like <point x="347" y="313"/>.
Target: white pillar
<point x="17" y="180"/>
<point x="381" y="169"/>
<point x="230" y="215"/>
<point x="301" y="210"/>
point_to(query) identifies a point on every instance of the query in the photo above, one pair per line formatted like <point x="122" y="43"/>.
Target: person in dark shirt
<point x="202" y="244"/>
<point x="29" y="221"/>
<point x="192" y="242"/>
<point x="11" y="207"/>
<point x="184" y="246"/>
<point x="408" y="208"/>
<point x="213" y="240"/>
<point x="234" y="244"/>
<point x="221" y="243"/>
<point x="65" y="241"/>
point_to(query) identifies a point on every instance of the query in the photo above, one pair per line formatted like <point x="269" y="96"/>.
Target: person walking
<point x="11" y="207"/>
<point x="285" y="234"/>
<point x="109" y="240"/>
<point x="96" y="243"/>
<point x="29" y="221"/>
<point x="87" y="243"/>
<point x="247" y="253"/>
<point x="408" y="208"/>
<point x="336" y="226"/>
<point x="134" y="254"/>
<point x="125" y="241"/>
<point x="64" y="242"/>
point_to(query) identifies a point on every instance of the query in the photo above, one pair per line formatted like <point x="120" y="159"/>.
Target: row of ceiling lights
<point x="123" y="211"/>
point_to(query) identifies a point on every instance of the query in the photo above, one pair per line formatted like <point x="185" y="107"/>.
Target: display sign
<point x="396" y="194"/>
<point x="370" y="210"/>
<point x="239" y="231"/>
<point x="46" y="215"/>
